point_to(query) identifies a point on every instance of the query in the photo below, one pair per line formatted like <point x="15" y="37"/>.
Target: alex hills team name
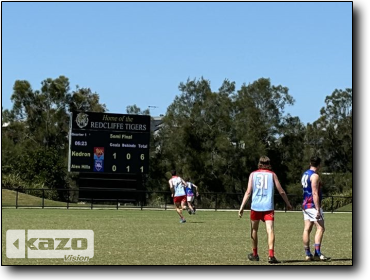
<point x="119" y="126"/>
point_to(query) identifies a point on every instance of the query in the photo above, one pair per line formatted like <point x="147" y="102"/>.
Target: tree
<point x="38" y="126"/>
<point x="259" y="122"/>
<point x="196" y="132"/>
<point x="216" y="138"/>
<point x="83" y="99"/>
<point x="45" y="112"/>
<point x="135" y="110"/>
<point x="333" y="132"/>
<point x="291" y="147"/>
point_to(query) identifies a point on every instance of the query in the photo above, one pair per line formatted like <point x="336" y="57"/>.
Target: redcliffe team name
<point x="119" y="126"/>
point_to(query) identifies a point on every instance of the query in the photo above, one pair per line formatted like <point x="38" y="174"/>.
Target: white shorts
<point x="190" y="198"/>
<point x="310" y="214"/>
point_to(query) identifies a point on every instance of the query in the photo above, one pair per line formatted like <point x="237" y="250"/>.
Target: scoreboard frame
<point x="108" y="143"/>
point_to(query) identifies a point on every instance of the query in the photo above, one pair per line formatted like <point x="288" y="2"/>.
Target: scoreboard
<point x="109" y="143"/>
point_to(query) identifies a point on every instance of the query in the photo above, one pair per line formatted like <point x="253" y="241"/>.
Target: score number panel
<point x="109" y="151"/>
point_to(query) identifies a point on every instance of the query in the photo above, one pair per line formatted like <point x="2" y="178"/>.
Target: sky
<point x="138" y="53"/>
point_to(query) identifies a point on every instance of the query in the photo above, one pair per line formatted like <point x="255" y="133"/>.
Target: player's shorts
<point x="262" y="215"/>
<point x="190" y="198"/>
<point x="310" y="214"/>
<point x="179" y="199"/>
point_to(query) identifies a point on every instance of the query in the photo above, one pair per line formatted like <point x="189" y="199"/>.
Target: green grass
<point x="134" y="237"/>
<point x="8" y="199"/>
<point x="346" y="208"/>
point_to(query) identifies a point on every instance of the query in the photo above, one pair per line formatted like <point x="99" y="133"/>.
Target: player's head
<point x="315" y="161"/>
<point x="173" y="172"/>
<point x="264" y="163"/>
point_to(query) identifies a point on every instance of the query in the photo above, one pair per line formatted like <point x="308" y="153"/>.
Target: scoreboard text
<point x="109" y="143"/>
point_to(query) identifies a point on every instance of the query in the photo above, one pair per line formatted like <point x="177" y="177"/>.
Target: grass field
<point x="8" y="199"/>
<point x="154" y="237"/>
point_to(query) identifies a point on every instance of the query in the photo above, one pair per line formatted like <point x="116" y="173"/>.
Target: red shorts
<point x="263" y="216"/>
<point x="178" y="199"/>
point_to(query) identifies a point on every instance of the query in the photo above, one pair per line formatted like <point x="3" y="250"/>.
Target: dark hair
<point x="173" y="172"/>
<point x="264" y="163"/>
<point x="315" y="161"/>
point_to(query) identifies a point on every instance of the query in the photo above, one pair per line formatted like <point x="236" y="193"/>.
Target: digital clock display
<point x="80" y="143"/>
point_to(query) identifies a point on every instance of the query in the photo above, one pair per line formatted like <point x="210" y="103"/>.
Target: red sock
<point x="271" y="252"/>
<point x="254" y="251"/>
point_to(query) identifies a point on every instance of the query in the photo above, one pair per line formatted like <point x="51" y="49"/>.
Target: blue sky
<point x="138" y="53"/>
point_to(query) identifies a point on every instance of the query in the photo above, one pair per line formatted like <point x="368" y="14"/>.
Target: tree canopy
<point x="214" y="138"/>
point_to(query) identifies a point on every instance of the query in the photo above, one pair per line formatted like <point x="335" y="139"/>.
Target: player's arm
<point x="315" y="192"/>
<point x="246" y="196"/>
<point x="282" y="192"/>
<point x="171" y="187"/>
<point x="197" y="190"/>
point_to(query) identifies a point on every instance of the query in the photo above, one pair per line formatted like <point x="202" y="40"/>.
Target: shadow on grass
<point x="297" y="261"/>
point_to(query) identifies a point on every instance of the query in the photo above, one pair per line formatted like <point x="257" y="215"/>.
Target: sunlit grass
<point x="134" y="237"/>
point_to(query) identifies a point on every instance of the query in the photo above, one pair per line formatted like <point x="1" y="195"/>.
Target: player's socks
<point x="307" y="250"/>
<point x="271" y="253"/>
<point x="255" y="252"/>
<point x="317" y="249"/>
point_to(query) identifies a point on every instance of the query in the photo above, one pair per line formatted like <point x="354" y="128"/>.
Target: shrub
<point x="337" y="200"/>
<point x="12" y="181"/>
